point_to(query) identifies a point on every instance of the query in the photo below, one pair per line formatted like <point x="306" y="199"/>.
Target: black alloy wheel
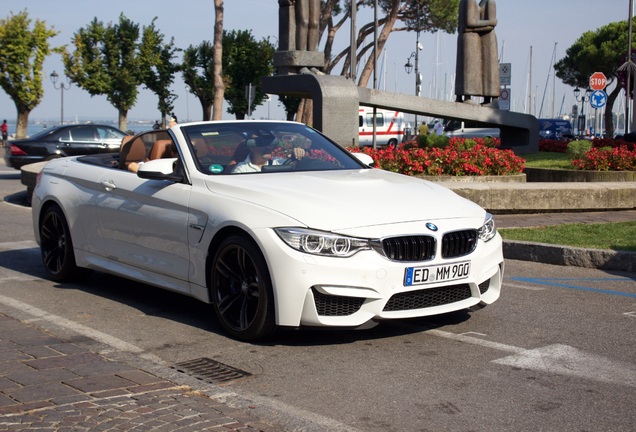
<point x="241" y="289"/>
<point x="56" y="245"/>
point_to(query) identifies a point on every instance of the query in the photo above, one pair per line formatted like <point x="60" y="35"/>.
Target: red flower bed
<point x="460" y="157"/>
<point x="608" y="159"/>
<point x="556" y="146"/>
<point x="610" y="142"/>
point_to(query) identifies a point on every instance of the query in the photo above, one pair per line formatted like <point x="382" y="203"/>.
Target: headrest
<point x="262" y="141"/>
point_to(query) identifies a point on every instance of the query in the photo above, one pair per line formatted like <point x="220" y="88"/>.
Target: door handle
<point x="109" y="185"/>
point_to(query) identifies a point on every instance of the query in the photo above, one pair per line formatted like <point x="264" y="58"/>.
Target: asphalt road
<point x="556" y="352"/>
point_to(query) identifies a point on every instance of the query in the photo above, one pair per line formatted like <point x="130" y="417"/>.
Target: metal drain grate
<point x="210" y="371"/>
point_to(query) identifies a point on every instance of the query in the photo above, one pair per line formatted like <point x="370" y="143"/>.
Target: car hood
<point x="340" y="200"/>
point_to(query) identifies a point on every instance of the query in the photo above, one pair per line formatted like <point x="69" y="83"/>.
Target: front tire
<point x="241" y="289"/>
<point x="56" y="245"/>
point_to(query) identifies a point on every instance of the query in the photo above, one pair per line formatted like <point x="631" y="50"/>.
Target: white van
<point x="389" y="126"/>
<point x="460" y="129"/>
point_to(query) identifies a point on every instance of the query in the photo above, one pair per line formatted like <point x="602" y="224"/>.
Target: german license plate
<point x="438" y="273"/>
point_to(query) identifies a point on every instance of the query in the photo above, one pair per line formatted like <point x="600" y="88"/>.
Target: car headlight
<point x="488" y="230"/>
<point x="321" y="243"/>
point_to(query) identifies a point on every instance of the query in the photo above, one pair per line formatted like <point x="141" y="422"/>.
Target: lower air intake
<point x="331" y="305"/>
<point x="428" y="298"/>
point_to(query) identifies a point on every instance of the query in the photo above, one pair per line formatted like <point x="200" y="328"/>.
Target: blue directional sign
<point x="598" y="99"/>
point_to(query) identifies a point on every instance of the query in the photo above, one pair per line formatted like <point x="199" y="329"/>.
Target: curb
<point x="570" y="256"/>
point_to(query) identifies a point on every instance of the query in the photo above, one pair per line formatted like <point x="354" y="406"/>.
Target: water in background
<point x="35" y="127"/>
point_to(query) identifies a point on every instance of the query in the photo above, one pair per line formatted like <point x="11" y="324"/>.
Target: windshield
<point x="248" y="147"/>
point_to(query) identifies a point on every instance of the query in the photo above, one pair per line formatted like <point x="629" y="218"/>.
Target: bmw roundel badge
<point x="431" y="226"/>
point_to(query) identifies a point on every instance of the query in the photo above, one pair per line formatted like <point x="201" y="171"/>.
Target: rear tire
<point x="241" y="289"/>
<point x="56" y="245"/>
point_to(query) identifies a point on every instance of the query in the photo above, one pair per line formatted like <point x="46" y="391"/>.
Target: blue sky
<point x="522" y="24"/>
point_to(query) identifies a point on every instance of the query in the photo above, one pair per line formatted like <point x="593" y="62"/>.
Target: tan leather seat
<point x="124" y="140"/>
<point x="131" y="150"/>
<point x="163" y="149"/>
<point x="200" y="147"/>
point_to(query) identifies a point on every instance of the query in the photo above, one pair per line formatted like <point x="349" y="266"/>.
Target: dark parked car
<point x="60" y="141"/>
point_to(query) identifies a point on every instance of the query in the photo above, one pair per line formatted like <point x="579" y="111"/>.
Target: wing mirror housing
<point x="364" y="158"/>
<point x="160" y="169"/>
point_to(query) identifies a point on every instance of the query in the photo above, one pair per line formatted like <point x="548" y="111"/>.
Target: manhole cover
<point x="210" y="371"/>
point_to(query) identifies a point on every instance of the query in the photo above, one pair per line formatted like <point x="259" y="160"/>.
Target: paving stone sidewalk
<point x="49" y="384"/>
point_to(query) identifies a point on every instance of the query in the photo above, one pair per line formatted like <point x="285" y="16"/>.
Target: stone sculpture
<point x="477" y="69"/>
<point x="298" y="34"/>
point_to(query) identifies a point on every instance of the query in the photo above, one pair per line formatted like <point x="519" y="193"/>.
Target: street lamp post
<point x="54" y="78"/>
<point x="408" y="67"/>
<point x="583" y="98"/>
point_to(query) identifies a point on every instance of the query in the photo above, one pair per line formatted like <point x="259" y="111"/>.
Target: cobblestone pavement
<point x="48" y="384"/>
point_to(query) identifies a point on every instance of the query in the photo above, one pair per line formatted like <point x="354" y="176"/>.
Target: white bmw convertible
<point x="272" y="223"/>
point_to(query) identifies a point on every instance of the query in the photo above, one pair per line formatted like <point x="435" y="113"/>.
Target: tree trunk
<point x="207" y="111"/>
<point x="23" y="121"/>
<point x="219" y="87"/>
<point x="382" y="38"/>
<point x="308" y="113"/>
<point x="123" y="119"/>
<point x="609" y="118"/>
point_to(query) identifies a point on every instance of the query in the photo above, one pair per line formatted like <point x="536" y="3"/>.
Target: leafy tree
<point x="107" y="61"/>
<point x="197" y="68"/>
<point x="422" y="15"/>
<point x="602" y="50"/>
<point x="291" y="104"/>
<point x="158" y="68"/>
<point x="245" y="61"/>
<point x="414" y="15"/>
<point x="22" y="53"/>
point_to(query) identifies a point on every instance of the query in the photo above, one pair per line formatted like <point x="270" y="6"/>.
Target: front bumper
<point x="351" y="292"/>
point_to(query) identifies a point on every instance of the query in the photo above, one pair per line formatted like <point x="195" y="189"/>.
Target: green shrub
<point x="577" y="149"/>
<point x="422" y="141"/>
<point x="436" y="141"/>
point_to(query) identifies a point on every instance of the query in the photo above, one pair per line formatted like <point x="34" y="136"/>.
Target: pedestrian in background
<point x="438" y="128"/>
<point x="423" y="129"/>
<point x="5" y="133"/>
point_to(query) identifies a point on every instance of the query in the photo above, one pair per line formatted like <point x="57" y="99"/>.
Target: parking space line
<point x="526" y="287"/>
<point x="104" y="338"/>
<point x="476" y="341"/>
<point x="18" y="245"/>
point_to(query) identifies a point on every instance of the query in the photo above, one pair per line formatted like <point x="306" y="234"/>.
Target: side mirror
<point x="364" y="158"/>
<point x="160" y="169"/>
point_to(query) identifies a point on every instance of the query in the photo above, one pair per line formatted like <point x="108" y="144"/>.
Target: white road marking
<point x="566" y="360"/>
<point x="476" y="341"/>
<point x="18" y="245"/>
<point x="630" y="314"/>
<point x="557" y="359"/>
<point x="104" y="338"/>
<point x="526" y="287"/>
<point x="21" y="278"/>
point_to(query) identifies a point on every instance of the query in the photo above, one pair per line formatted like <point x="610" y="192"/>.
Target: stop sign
<point x="598" y="81"/>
